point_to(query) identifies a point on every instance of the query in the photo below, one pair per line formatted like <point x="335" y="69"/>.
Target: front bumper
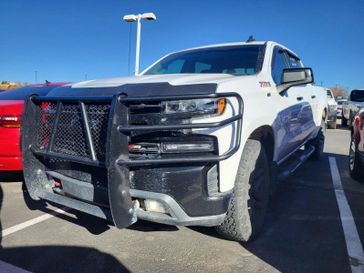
<point x="176" y="214"/>
<point x="108" y="188"/>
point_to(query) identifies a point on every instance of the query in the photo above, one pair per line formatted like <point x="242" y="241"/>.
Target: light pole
<point x="131" y="18"/>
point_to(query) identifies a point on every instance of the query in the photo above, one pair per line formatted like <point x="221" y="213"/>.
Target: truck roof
<point x="236" y="44"/>
<point x="227" y="44"/>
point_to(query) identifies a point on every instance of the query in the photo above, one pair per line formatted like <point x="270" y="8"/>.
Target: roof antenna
<point x="250" y="39"/>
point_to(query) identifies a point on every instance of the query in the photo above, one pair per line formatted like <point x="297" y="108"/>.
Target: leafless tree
<point x="339" y="91"/>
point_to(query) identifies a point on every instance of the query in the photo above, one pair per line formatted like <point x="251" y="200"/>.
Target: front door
<point x="295" y="122"/>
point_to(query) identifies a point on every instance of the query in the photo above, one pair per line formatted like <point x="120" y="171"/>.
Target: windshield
<point x="357" y="95"/>
<point x="329" y="95"/>
<point x="22" y="92"/>
<point x="236" y="60"/>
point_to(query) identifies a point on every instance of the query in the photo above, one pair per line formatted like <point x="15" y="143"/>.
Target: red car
<point x="11" y="108"/>
<point x="356" y="155"/>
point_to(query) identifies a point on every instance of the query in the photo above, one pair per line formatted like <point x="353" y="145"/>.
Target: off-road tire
<point x="248" y="207"/>
<point x="356" y="166"/>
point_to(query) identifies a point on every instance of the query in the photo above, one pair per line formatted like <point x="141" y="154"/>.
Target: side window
<point x="278" y="64"/>
<point x="202" y="67"/>
<point x="175" y="67"/>
<point x="294" y="62"/>
<point x="172" y="68"/>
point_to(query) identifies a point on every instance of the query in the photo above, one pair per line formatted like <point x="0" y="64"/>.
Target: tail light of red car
<point x="357" y="123"/>
<point x="10" y="121"/>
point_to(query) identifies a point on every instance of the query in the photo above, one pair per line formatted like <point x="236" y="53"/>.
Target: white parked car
<point x="340" y="107"/>
<point x="201" y="137"/>
<point x="332" y="110"/>
<point x="352" y="106"/>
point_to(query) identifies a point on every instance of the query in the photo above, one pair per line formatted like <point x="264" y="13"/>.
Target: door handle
<point x="313" y="97"/>
<point x="299" y="98"/>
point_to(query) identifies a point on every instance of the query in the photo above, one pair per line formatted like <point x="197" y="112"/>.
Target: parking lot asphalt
<point x="303" y="232"/>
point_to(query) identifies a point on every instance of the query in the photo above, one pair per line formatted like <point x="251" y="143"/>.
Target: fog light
<point x="155" y="206"/>
<point x="187" y="147"/>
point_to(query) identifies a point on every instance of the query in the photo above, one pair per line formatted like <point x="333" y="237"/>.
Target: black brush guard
<point x="116" y="161"/>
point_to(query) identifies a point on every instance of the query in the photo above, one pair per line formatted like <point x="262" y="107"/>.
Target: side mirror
<point x="296" y="76"/>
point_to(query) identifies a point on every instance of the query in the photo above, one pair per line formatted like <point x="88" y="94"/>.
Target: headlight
<point x="196" y="106"/>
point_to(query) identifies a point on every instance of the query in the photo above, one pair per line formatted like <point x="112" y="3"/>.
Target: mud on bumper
<point x="75" y="153"/>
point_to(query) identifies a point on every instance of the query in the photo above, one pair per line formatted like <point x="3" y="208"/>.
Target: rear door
<point x="307" y="99"/>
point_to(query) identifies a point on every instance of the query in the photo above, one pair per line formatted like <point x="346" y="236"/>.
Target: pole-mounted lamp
<point x="131" y="18"/>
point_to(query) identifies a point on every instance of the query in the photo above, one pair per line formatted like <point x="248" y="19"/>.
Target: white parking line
<point x="353" y="244"/>
<point x="8" y="268"/>
<point x="32" y="222"/>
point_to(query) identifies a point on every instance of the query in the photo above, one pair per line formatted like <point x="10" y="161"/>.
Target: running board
<point x="294" y="163"/>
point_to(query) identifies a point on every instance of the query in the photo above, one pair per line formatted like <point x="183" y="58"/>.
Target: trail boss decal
<point x="264" y="84"/>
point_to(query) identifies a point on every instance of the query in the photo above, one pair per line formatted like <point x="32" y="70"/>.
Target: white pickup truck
<point x="352" y="106"/>
<point x="201" y="137"/>
<point x="332" y="107"/>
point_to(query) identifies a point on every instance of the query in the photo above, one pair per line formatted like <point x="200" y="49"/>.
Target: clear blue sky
<point x="64" y="40"/>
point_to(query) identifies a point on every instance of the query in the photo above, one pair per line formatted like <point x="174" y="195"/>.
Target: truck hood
<point x="172" y="79"/>
<point x="148" y="85"/>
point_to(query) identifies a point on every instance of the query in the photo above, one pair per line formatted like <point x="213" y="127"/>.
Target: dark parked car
<point x="356" y="156"/>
